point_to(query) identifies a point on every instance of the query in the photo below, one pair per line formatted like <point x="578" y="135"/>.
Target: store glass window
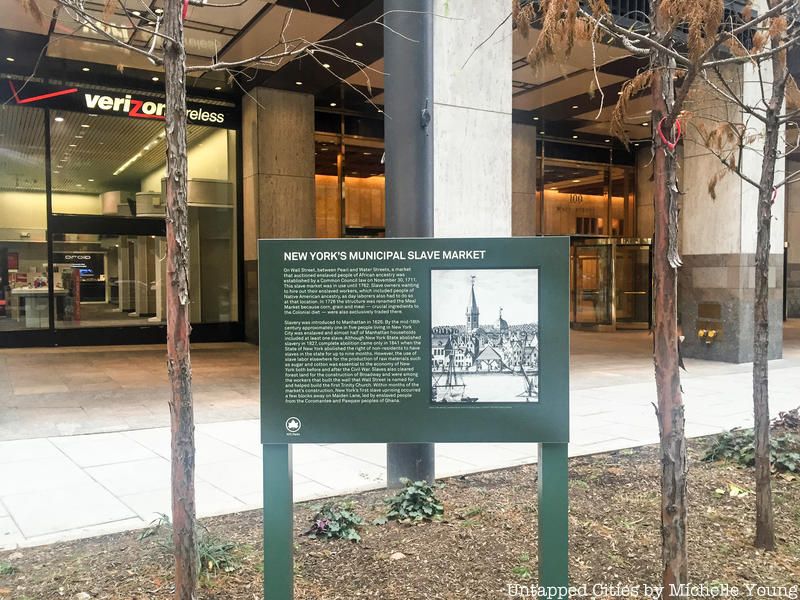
<point x="112" y="169"/>
<point x="24" y="297"/>
<point x="106" y="280"/>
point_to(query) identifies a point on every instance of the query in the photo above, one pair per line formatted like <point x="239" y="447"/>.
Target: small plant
<point x="7" y="569"/>
<point x="523" y="570"/>
<point x="788" y="420"/>
<point x="213" y="554"/>
<point x="473" y="512"/>
<point x="738" y="445"/>
<point x="415" y="502"/>
<point x="336" y="520"/>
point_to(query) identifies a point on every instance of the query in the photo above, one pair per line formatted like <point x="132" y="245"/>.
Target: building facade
<point x="296" y="149"/>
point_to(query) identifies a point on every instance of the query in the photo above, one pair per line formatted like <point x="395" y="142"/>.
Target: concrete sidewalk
<point x="60" y="488"/>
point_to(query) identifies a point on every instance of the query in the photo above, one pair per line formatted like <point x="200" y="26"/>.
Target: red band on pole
<point x="185" y="9"/>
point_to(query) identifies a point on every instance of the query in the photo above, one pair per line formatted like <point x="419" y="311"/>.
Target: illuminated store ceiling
<point x="555" y="98"/>
<point x="87" y="156"/>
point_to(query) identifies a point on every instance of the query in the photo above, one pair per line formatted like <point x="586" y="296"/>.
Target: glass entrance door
<point x="592" y="285"/>
<point x="632" y="286"/>
<point x="610" y="284"/>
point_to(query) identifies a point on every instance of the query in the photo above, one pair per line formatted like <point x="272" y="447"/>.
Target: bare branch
<point x="738" y="60"/>
<point x="626" y="35"/>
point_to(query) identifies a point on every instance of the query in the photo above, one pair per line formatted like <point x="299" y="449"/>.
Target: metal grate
<point x="22" y="149"/>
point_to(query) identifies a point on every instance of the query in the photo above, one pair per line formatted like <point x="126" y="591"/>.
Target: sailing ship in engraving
<point x="452" y="389"/>
<point x="480" y="361"/>
<point x="531" y="391"/>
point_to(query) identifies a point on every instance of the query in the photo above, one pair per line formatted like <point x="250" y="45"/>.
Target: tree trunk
<point x="674" y="550"/>
<point x="765" y="525"/>
<point x="178" y="327"/>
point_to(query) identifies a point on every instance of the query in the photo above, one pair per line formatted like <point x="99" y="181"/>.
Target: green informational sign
<point x="414" y="340"/>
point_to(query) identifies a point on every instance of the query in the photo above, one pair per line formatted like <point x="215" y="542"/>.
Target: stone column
<point x="718" y="242"/>
<point x="472" y="118"/>
<point x="793" y="239"/>
<point x="278" y="178"/>
<point x="523" y="179"/>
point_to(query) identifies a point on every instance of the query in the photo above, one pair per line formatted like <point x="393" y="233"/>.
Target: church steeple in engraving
<point x="473" y="314"/>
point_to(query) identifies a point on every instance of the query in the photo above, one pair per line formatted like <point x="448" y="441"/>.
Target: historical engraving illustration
<point x="484" y="335"/>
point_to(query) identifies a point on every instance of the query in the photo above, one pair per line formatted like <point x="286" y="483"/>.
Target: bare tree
<point x="682" y="41"/>
<point x="768" y="116"/>
<point x="164" y="46"/>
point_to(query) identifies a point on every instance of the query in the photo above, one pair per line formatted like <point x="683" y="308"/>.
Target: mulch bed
<point x="487" y="541"/>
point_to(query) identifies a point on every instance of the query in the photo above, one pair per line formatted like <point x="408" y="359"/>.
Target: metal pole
<point x="409" y="164"/>
<point x="278" y="521"/>
<point x="553" y="520"/>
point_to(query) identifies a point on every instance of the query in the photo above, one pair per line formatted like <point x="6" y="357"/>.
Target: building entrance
<point x="610" y="284"/>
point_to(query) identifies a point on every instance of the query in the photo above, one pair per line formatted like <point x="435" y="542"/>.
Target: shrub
<point x="415" y="502"/>
<point x="336" y="520"/>
<point x="738" y="445"/>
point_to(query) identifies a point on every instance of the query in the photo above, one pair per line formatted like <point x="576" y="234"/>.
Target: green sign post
<point x="414" y="340"/>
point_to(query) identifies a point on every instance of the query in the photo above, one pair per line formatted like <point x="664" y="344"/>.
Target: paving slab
<point x="101" y="449"/>
<point x="65" y="508"/>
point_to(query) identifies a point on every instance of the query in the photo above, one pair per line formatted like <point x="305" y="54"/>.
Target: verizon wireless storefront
<point x="82" y="216"/>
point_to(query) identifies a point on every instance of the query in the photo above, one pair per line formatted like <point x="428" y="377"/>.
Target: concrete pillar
<point x="472" y="118"/>
<point x="793" y="240"/>
<point x="523" y="179"/>
<point x="278" y="178"/>
<point x="718" y="242"/>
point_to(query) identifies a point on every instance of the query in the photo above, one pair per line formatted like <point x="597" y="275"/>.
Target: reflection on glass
<point x="115" y="166"/>
<point x="632" y="284"/>
<point x="592" y="277"/>
<point x="213" y="269"/>
<point x="24" y="302"/>
<point x="109" y="280"/>
<point x="24" y="293"/>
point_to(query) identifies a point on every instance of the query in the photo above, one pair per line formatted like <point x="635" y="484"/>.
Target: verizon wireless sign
<point x="147" y="109"/>
<point x="132" y="105"/>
